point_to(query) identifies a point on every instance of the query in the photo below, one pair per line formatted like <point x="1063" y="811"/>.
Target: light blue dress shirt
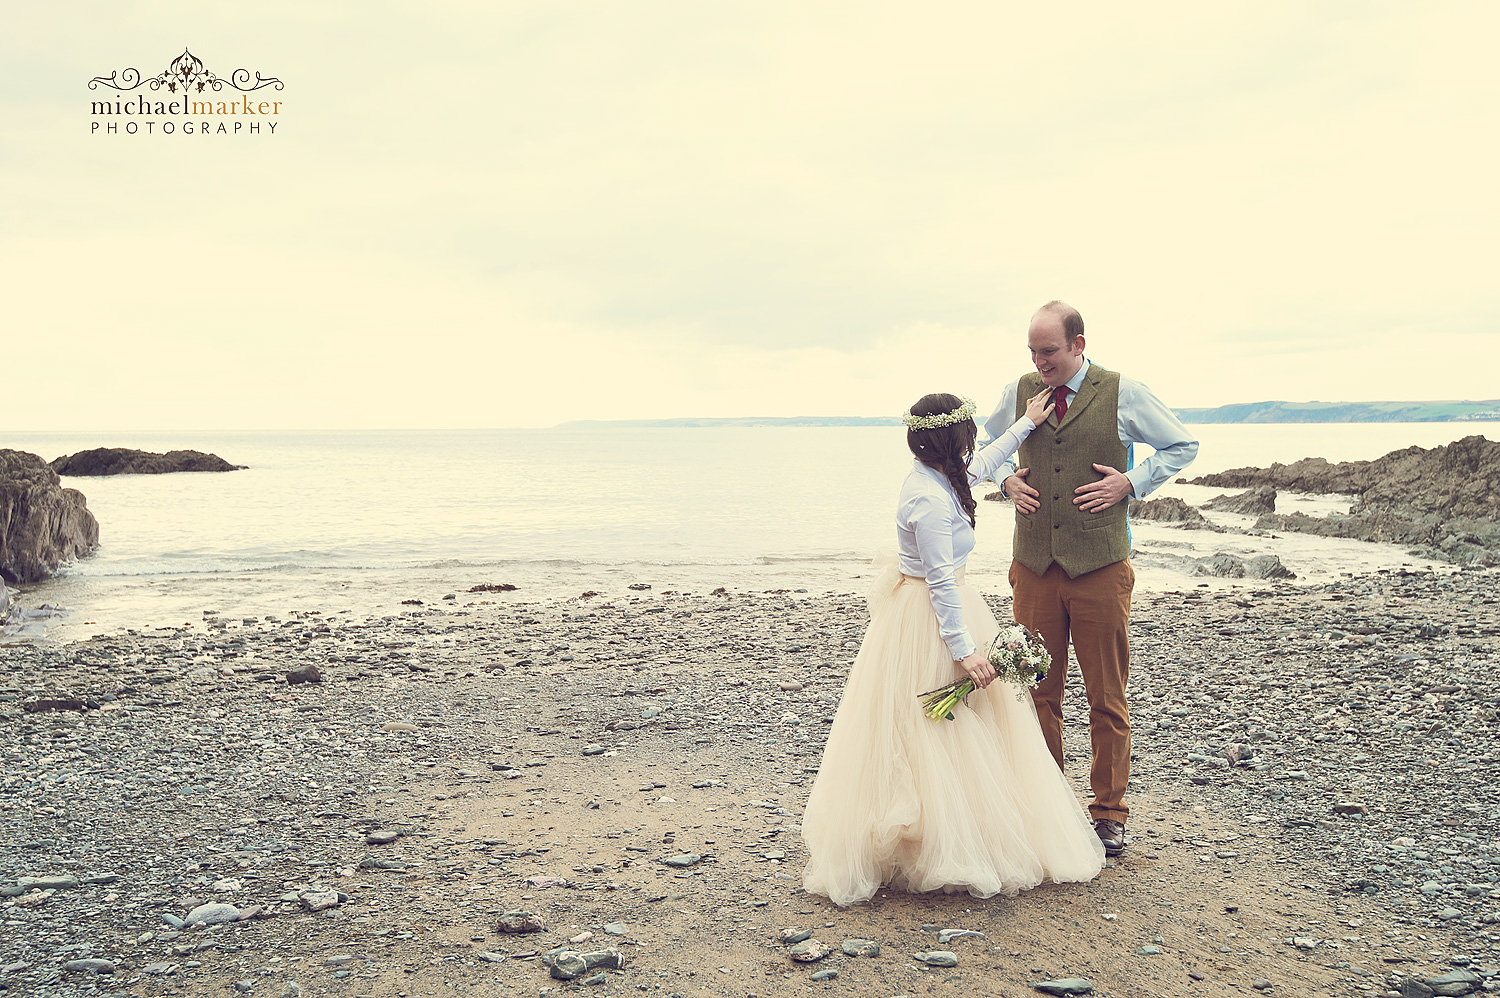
<point x="1143" y="419"/>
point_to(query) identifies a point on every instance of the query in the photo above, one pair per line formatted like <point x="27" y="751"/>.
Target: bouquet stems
<point x="938" y="704"/>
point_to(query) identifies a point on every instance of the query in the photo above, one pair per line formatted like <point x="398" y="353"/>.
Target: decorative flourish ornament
<point x="964" y="411"/>
<point x="185" y="74"/>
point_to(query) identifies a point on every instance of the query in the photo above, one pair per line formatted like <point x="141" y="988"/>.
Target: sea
<point x="360" y="522"/>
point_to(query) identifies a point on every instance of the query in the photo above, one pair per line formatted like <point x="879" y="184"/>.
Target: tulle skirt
<point x="974" y="804"/>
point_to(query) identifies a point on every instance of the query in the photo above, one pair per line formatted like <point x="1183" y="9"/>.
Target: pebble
<point x="860" y="947"/>
<point x="316" y="901"/>
<point x="47" y="883"/>
<point x="809" y="951"/>
<point x="91" y="966"/>
<point x="1065" y="986"/>
<point x="519" y="922"/>
<point x="946" y="936"/>
<point x="568" y="965"/>
<point x="824" y="975"/>
<point x="213" y="913"/>
<point x="305" y="673"/>
<point x="937" y="958"/>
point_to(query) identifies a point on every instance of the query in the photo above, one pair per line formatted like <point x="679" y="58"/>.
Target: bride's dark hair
<point x="946" y="448"/>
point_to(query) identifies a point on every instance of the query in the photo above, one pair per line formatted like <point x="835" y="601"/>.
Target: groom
<point x="1071" y="576"/>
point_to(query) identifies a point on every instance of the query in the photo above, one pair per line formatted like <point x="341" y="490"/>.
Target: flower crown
<point x="933" y="422"/>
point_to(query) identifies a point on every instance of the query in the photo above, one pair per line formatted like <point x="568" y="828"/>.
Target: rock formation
<point x="1254" y="502"/>
<point x="123" y="461"/>
<point x="1228" y="566"/>
<point x="1220" y="565"/>
<point x="1445" y="500"/>
<point x="42" y="524"/>
<point x="1461" y="479"/>
<point x="1170" y="510"/>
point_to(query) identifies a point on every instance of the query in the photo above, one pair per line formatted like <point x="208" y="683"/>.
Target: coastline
<point x="1262" y="715"/>
<point x="605" y="511"/>
<point x="83" y="605"/>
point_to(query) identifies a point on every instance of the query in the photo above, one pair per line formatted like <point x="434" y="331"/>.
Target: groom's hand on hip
<point x="1023" y="495"/>
<point x="1101" y="495"/>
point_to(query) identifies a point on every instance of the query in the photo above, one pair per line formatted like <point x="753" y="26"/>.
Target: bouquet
<point x="1019" y="657"/>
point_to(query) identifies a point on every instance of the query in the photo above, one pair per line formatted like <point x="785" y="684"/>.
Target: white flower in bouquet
<point x="1019" y="657"/>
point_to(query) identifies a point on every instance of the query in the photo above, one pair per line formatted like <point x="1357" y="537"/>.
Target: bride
<point x="974" y="804"/>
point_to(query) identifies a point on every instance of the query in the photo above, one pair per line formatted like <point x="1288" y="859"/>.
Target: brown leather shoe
<point x="1112" y="834"/>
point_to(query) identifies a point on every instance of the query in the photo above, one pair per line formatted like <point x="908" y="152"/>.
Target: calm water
<point x="359" y="521"/>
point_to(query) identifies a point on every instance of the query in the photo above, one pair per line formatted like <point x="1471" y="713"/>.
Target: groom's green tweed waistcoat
<point x="1062" y="458"/>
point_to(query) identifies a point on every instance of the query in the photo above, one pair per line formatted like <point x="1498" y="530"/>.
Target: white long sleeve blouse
<point x="936" y="538"/>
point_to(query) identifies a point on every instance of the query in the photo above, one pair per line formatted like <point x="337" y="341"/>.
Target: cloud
<point x="681" y="208"/>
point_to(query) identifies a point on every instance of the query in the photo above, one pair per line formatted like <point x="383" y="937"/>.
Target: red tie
<point x="1060" y="397"/>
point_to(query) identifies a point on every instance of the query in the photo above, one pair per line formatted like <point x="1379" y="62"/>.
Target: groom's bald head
<point x="1055" y="339"/>
<point x="1072" y="322"/>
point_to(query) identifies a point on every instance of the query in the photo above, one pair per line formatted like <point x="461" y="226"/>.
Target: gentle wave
<point x="354" y="521"/>
<point x="87" y="570"/>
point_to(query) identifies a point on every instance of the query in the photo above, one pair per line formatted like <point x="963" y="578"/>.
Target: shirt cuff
<point x="960" y="646"/>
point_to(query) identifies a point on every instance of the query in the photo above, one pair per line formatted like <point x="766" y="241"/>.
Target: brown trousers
<point x="1095" y="610"/>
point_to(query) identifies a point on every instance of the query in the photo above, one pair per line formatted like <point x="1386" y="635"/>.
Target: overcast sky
<point x="513" y="214"/>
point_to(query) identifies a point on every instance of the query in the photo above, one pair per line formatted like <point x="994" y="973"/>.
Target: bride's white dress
<point x="974" y="804"/>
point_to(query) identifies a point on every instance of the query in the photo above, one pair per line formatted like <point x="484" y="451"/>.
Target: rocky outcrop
<point x="123" y="461"/>
<point x="1228" y="566"/>
<point x="1460" y="541"/>
<point x="1461" y="479"/>
<point x="42" y="524"/>
<point x="1170" y="510"/>
<point x="1253" y="502"/>
<point x="1219" y="565"/>
<point x="1443" y="500"/>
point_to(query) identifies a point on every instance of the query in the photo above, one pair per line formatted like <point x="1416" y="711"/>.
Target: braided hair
<point x="946" y="448"/>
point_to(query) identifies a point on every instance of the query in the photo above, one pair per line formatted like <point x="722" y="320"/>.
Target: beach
<point x="1313" y="789"/>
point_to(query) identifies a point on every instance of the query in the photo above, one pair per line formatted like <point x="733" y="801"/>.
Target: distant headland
<point x="1241" y="412"/>
<point x="691" y="421"/>
<point x="1345" y="412"/>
